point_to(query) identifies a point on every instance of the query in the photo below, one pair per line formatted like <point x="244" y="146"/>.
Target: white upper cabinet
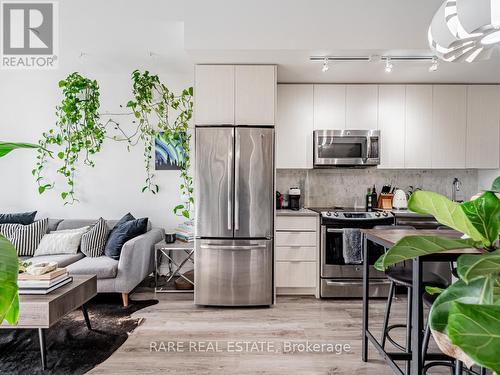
<point x="421" y="126"/>
<point x="391" y="123"/>
<point x="214" y="95"/>
<point x="329" y="107"/>
<point x="294" y="126"/>
<point x="419" y="130"/>
<point x="255" y="94"/>
<point x="483" y="122"/>
<point x="449" y="122"/>
<point x="361" y="107"/>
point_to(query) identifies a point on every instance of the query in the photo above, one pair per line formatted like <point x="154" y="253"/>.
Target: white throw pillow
<point x="61" y="242"/>
<point x="84" y="229"/>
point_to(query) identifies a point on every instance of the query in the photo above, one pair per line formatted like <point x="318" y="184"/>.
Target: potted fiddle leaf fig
<point x="9" y="264"/>
<point x="465" y="317"/>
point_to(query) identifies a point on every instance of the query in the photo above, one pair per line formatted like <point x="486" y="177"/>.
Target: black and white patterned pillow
<point x="7" y="230"/>
<point x="25" y="238"/>
<point x="94" y="241"/>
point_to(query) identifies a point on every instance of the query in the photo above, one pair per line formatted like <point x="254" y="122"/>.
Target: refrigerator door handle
<point x="229" y="189"/>
<point x="237" y="183"/>
<point x="231" y="247"/>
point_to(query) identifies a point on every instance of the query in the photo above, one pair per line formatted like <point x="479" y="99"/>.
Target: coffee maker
<point x="294" y="198"/>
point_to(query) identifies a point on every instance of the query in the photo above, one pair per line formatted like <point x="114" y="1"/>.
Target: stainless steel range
<point x="341" y="263"/>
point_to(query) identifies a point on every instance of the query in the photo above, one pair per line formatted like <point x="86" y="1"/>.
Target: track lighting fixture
<point x="388" y="60"/>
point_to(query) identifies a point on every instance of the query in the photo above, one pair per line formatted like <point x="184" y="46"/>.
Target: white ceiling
<point x="168" y="37"/>
<point x="287" y="32"/>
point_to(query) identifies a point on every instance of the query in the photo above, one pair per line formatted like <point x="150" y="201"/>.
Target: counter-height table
<point x="387" y="238"/>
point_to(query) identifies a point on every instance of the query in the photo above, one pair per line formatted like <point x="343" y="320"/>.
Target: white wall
<point x="113" y="47"/>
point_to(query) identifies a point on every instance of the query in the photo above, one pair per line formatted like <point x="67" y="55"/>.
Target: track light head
<point x="388" y="65"/>
<point x="435" y="65"/>
<point x="325" y="67"/>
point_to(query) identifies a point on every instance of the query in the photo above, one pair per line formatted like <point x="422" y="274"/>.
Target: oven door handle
<point x="332" y="230"/>
<point x="356" y="282"/>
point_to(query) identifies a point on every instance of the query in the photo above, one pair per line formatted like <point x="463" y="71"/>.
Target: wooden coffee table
<point x="42" y="311"/>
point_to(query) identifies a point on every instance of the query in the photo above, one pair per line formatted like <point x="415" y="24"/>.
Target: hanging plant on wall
<point x="78" y="134"/>
<point x="160" y="114"/>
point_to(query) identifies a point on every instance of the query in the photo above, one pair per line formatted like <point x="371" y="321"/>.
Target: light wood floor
<point x="292" y="319"/>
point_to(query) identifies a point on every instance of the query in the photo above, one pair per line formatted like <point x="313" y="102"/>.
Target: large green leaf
<point x="476" y="292"/>
<point x="413" y="246"/>
<point x="445" y="211"/>
<point x="472" y="267"/>
<point x="476" y="330"/>
<point x="9" y="268"/>
<point x="6" y="147"/>
<point x="496" y="185"/>
<point x="484" y="214"/>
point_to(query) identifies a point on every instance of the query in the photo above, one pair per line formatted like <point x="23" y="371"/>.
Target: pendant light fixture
<point x="465" y="30"/>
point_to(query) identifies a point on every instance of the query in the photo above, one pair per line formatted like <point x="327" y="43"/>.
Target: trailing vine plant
<point x="154" y="106"/>
<point x="78" y="132"/>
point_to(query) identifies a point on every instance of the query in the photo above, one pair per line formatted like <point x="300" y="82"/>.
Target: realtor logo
<point x="29" y="35"/>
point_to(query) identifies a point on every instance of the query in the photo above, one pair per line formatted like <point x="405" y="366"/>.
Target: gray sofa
<point x="116" y="276"/>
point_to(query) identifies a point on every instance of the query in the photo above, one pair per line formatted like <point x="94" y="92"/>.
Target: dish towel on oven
<point x="351" y="249"/>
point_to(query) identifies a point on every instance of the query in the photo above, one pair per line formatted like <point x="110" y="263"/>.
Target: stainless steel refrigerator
<point x="234" y="189"/>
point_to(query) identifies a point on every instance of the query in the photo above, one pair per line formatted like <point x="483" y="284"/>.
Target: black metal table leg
<point x="417" y="320"/>
<point x="458" y="367"/>
<point x="43" y="350"/>
<point x="86" y="317"/>
<point x="408" y="328"/>
<point x="366" y="285"/>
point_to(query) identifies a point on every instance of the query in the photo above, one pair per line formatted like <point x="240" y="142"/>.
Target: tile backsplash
<point x="347" y="187"/>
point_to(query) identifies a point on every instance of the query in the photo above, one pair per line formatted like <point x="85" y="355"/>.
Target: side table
<point x="163" y="249"/>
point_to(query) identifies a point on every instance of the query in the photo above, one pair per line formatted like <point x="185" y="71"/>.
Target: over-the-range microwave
<point x="346" y="148"/>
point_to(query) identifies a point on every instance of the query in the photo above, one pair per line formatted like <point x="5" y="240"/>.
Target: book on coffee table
<point x="23" y="284"/>
<point x="46" y="290"/>
<point x="46" y="276"/>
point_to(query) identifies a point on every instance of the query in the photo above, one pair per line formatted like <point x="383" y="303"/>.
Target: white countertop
<point x="301" y="212"/>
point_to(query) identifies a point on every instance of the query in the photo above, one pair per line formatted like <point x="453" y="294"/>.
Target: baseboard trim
<point x="280" y="291"/>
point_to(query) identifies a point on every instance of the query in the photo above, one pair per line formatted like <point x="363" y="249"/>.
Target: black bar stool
<point x="402" y="275"/>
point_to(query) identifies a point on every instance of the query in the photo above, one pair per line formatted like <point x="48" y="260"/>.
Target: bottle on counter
<point x="374" y="197"/>
<point x="369" y="201"/>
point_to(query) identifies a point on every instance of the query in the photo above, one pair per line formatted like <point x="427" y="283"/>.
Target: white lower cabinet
<point x="296" y="274"/>
<point x="297" y="255"/>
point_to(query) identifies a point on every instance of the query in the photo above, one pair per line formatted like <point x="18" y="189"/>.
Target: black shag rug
<point x="71" y="347"/>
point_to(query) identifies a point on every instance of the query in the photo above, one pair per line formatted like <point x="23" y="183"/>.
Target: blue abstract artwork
<point x="169" y="153"/>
